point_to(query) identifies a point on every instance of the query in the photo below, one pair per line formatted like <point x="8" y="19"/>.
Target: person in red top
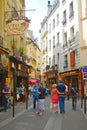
<point x="54" y="98"/>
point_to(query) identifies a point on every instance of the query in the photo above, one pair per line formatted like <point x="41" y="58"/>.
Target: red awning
<point x="32" y="80"/>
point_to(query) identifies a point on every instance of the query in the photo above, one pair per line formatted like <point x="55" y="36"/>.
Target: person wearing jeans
<point x="61" y="89"/>
<point x="74" y="95"/>
<point x="35" y="95"/>
<point x="62" y="103"/>
<point x="6" y="92"/>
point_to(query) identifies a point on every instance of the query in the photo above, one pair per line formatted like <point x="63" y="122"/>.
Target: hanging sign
<point x="17" y="25"/>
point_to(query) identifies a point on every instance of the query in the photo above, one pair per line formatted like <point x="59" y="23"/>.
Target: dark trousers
<point x="74" y="102"/>
<point x="35" y="99"/>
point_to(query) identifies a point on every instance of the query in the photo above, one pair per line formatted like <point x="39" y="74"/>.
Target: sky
<point x="36" y="17"/>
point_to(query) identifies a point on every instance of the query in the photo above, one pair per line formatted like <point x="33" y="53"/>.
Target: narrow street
<point x="30" y="120"/>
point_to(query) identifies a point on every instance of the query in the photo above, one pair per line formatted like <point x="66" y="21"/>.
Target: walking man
<point x="74" y="94"/>
<point x="35" y="95"/>
<point x="61" y="89"/>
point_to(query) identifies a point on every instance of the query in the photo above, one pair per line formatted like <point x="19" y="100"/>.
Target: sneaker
<point x="56" y="112"/>
<point x="40" y="113"/>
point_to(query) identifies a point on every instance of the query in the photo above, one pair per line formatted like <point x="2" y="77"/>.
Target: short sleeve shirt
<point x="61" y="87"/>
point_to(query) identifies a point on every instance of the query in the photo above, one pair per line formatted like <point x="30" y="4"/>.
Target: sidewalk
<point x="82" y="109"/>
<point x="19" y="109"/>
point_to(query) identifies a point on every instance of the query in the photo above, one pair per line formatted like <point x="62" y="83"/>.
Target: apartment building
<point x="33" y="53"/>
<point x="65" y="41"/>
<point x="13" y="68"/>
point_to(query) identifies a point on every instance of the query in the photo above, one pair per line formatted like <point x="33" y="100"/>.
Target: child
<point x="54" y="98"/>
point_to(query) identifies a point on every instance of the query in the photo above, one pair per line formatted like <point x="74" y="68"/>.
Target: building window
<point x="50" y="61"/>
<point x="71" y="10"/>
<point x="50" y="28"/>
<point x="72" y="37"/>
<point x="53" y="59"/>
<point x="64" y="17"/>
<point x="65" y="43"/>
<point x="65" y="61"/>
<point x="53" y="41"/>
<point x="46" y="41"/>
<point x="57" y="19"/>
<point x="72" y="31"/>
<point x="53" y="23"/>
<point x="46" y="60"/>
<point x="58" y="38"/>
<point x="49" y="45"/>
<point x="57" y="58"/>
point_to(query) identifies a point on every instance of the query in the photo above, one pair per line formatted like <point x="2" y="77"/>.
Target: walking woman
<point x="41" y="92"/>
<point x="54" y="98"/>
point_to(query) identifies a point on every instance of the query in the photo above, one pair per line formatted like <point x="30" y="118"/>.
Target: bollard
<point x="84" y="104"/>
<point x="81" y="102"/>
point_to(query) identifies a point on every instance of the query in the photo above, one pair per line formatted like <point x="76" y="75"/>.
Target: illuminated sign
<point x="84" y="75"/>
<point x="84" y="71"/>
<point x="17" y="25"/>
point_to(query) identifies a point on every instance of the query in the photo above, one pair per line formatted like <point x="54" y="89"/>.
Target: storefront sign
<point x="17" y="25"/>
<point x="84" y="75"/>
<point x="51" y="75"/>
<point x="72" y="60"/>
<point x="84" y="71"/>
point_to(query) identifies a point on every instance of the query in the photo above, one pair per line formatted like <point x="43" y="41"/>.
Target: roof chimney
<point x="48" y="2"/>
<point x="49" y="6"/>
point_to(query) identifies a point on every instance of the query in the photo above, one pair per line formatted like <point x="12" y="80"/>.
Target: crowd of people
<point x="58" y="93"/>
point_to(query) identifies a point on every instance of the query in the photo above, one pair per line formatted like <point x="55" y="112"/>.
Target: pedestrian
<point x="41" y="92"/>
<point x="6" y="92"/>
<point x="67" y="90"/>
<point x="74" y="95"/>
<point x="61" y="89"/>
<point x="54" y="98"/>
<point x="29" y="90"/>
<point x="35" y="95"/>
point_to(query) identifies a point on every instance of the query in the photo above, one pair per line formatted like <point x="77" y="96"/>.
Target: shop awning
<point x="32" y="80"/>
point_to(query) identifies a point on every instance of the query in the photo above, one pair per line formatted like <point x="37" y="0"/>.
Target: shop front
<point x="51" y="77"/>
<point x="4" y="71"/>
<point x="74" y="77"/>
<point x="19" y="78"/>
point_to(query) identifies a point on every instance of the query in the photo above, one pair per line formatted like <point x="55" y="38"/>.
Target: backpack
<point x="73" y="91"/>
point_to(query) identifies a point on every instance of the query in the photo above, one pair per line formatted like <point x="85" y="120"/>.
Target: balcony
<point x="51" y="68"/>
